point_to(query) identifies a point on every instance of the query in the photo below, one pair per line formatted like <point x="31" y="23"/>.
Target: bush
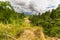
<point x="7" y="13"/>
<point x="50" y="21"/>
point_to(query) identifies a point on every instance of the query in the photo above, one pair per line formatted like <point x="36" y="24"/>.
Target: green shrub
<point x="50" y="21"/>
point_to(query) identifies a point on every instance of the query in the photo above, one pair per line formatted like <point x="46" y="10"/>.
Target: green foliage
<point x="50" y="21"/>
<point x="7" y="13"/>
<point x="10" y="21"/>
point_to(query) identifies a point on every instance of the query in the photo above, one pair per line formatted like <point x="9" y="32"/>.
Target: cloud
<point x="34" y="6"/>
<point x="3" y="0"/>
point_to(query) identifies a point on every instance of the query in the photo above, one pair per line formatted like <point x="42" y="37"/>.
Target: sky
<point x="34" y="6"/>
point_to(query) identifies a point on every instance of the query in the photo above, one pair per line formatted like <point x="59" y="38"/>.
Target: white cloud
<point x="34" y="5"/>
<point x="3" y="0"/>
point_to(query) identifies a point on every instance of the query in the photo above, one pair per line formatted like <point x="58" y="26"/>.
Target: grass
<point x="14" y="31"/>
<point x="11" y="31"/>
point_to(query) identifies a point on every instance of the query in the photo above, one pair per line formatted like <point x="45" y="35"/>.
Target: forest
<point x="13" y="24"/>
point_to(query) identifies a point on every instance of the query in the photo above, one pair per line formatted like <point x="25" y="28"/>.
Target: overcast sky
<point x="34" y="5"/>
